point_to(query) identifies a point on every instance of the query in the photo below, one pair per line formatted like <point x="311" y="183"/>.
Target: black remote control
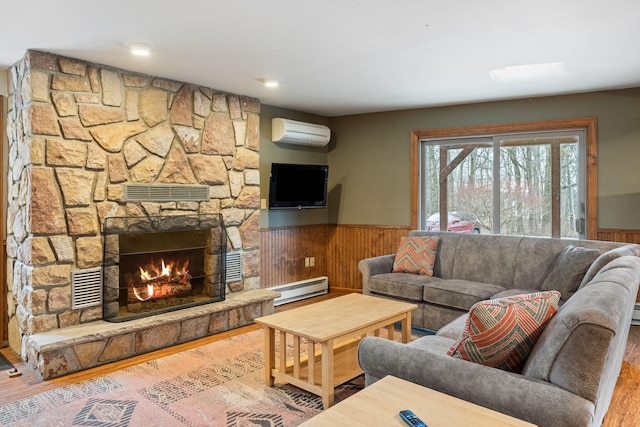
<point x="412" y="419"/>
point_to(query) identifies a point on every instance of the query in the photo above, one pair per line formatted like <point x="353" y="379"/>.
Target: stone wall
<point x="78" y="132"/>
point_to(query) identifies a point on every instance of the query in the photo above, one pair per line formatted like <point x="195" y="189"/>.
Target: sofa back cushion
<point x="447" y="242"/>
<point x="475" y="257"/>
<point x="588" y="333"/>
<point x="608" y="256"/>
<point x="568" y="270"/>
<point x="512" y="262"/>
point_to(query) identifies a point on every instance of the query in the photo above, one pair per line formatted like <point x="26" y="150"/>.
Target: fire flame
<point x="149" y="293"/>
<point x="165" y="273"/>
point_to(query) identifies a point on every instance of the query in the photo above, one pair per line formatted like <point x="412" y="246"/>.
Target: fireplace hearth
<point x="154" y="265"/>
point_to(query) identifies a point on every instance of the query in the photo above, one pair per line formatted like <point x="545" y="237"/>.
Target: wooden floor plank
<point x="624" y="409"/>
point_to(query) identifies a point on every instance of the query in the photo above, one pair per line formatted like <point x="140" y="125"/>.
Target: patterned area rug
<point x="218" y="384"/>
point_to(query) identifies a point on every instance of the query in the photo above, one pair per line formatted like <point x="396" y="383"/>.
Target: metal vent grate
<point x="165" y="193"/>
<point x="233" y="267"/>
<point x="86" y="288"/>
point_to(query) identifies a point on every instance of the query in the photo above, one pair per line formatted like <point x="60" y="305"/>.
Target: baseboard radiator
<point x="635" y="320"/>
<point x="296" y="291"/>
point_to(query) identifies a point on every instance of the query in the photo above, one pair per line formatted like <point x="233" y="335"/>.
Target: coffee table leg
<point x="311" y="362"/>
<point x="327" y="374"/>
<point x="269" y="355"/>
<point x="406" y="328"/>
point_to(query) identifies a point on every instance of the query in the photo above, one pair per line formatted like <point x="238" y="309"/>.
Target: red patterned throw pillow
<point x="501" y="332"/>
<point x="416" y="255"/>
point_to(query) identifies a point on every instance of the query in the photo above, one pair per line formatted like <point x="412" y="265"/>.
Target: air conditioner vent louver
<point x="165" y="193"/>
<point x="86" y="288"/>
<point x="233" y="267"/>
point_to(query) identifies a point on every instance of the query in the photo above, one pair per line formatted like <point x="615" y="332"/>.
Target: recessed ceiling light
<point x="271" y="83"/>
<point x="140" y="49"/>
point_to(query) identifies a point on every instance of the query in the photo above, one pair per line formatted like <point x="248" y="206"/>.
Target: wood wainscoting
<point x="337" y="249"/>
<point x="283" y="251"/>
<point x="348" y="244"/>
<point x="618" y="235"/>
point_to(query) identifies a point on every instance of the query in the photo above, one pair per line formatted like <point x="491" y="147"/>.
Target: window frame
<point x="588" y="124"/>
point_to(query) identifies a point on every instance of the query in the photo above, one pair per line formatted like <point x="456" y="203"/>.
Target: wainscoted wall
<point x="348" y="244"/>
<point x="285" y="249"/>
<point x="618" y="235"/>
<point x="338" y="248"/>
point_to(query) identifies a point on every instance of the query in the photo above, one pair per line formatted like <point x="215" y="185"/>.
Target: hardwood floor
<point x="624" y="409"/>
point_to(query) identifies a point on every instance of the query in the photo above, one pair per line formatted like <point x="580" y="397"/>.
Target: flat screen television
<point x="294" y="186"/>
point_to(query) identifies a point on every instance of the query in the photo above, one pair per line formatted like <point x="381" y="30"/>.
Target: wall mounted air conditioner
<point x="301" y="133"/>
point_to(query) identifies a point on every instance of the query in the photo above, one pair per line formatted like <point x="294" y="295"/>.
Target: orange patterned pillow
<point x="501" y="332"/>
<point x="416" y="255"/>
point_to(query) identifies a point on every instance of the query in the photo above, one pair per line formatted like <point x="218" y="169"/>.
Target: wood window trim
<point x="587" y="123"/>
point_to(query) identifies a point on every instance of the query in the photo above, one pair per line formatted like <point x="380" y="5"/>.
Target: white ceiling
<point x="338" y="57"/>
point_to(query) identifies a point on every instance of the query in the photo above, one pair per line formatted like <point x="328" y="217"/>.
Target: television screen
<point x="294" y="186"/>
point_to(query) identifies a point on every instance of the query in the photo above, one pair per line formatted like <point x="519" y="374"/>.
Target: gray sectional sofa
<point x="568" y="378"/>
<point x="471" y="268"/>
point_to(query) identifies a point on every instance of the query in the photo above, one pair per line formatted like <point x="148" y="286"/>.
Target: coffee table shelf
<point x="345" y="366"/>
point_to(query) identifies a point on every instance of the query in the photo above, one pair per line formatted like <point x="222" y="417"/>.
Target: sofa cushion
<point x="460" y="294"/>
<point x="433" y="344"/>
<point x="501" y="332"/>
<point x="416" y="255"/>
<point x="402" y="285"/>
<point x="608" y="256"/>
<point x="485" y="258"/>
<point x="568" y="269"/>
<point x="454" y="329"/>
<point x="514" y="292"/>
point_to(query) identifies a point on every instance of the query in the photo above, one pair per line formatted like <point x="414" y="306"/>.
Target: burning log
<point x="166" y="282"/>
<point x="160" y="288"/>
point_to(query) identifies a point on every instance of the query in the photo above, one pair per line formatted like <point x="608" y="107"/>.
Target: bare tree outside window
<point x="530" y="184"/>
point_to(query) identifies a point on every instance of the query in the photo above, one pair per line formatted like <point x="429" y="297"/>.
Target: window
<point x="525" y="179"/>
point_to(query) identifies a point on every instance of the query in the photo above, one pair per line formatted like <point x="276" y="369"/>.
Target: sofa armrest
<point x="372" y="266"/>
<point x="535" y="401"/>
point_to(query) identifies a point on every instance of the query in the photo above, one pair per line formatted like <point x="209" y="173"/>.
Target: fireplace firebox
<point x="154" y="265"/>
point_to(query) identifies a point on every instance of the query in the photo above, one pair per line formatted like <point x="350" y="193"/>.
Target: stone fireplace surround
<point x="78" y="134"/>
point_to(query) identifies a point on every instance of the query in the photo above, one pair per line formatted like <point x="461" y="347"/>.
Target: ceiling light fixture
<point x="271" y="83"/>
<point x="140" y="49"/>
<point x="528" y="72"/>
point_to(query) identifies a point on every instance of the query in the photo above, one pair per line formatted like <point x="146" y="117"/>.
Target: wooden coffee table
<point x="332" y="330"/>
<point x="380" y="403"/>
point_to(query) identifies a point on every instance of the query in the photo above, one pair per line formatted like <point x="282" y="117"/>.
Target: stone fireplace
<point x="82" y="138"/>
